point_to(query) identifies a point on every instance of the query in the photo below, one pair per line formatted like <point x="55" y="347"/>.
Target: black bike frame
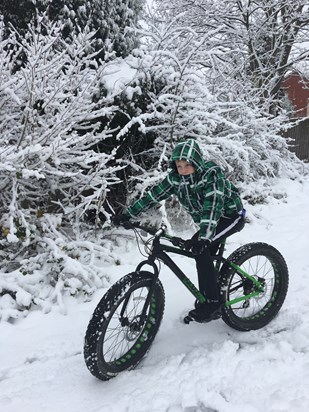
<point x="158" y="252"/>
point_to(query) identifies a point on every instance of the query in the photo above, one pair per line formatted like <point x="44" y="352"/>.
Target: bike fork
<point x="149" y="294"/>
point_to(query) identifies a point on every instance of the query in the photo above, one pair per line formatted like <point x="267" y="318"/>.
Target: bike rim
<point x="262" y="269"/>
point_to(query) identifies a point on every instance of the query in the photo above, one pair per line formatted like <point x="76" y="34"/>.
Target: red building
<point x="296" y="87"/>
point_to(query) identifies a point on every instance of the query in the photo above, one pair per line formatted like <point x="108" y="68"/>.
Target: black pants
<point x="206" y="272"/>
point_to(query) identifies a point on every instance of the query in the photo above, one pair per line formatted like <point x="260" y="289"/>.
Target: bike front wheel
<point x="123" y="325"/>
<point x="246" y="307"/>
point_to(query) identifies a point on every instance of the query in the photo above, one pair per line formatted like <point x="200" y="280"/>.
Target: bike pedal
<point x="214" y="316"/>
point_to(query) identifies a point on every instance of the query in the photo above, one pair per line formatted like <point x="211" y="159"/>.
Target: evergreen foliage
<point x="17" y="13"/>
<point x="112" y="22"/>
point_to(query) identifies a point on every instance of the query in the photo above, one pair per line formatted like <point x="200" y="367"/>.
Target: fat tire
<point x="106" y="310"/>
<point x="267" y="310"/>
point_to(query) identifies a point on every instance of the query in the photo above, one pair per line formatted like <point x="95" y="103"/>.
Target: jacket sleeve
<point x="213" y="204"/>
<point x="158" y="193"/>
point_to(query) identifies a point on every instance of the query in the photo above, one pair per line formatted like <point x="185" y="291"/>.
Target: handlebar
<point x="157" y="233"/>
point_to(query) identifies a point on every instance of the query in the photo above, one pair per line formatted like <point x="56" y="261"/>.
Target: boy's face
<point x="184" y="168"/>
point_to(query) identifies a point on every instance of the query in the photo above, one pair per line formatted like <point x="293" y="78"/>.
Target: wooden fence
<point x="300" y="143"/>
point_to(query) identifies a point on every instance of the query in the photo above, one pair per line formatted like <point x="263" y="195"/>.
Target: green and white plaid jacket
<point x="206" y="194"/>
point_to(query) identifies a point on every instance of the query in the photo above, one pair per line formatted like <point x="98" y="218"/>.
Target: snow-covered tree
<point x="254" y="44"/>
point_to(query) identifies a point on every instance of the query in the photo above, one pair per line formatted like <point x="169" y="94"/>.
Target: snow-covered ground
<point x="190" y="368"/>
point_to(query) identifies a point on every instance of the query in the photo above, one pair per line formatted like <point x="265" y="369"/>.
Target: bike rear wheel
<point x="265" y="264"/>
<point x="118" y="336"/>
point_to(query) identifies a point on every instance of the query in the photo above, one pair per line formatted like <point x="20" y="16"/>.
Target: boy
<point x="214" y="204"/>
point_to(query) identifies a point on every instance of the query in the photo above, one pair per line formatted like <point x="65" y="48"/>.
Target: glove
<point x="197" y="246"/>
<point x="120" y="219"/>
<point x="190" y="242"/>
<point x="177" y="241"/>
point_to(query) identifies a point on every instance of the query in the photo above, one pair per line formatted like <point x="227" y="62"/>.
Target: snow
<point x="190" y="368"/>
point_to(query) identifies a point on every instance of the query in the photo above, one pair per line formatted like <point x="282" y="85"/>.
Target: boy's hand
<point x="197" y="246"/>
<point x="177" y="241"/>
<point x="120" y="219"/>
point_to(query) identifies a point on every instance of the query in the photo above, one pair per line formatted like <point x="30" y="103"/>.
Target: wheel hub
<point x="132" y="328"/>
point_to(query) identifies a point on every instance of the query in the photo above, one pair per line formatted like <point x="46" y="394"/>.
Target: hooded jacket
<point x="207" y="195"/>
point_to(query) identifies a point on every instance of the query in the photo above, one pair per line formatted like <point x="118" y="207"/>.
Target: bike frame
<point x="159" y="252"/>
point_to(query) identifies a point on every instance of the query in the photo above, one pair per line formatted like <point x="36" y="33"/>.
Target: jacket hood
<point x="189" y="151"/>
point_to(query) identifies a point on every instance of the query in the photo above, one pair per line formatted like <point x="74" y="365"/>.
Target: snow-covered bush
<point x="61" y="266"/>
<point x="49" y="126"/>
